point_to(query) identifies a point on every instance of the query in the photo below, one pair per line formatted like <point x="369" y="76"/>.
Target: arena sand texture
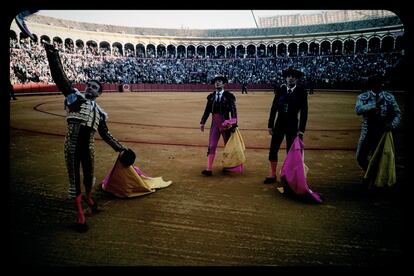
<point x="223" y="220"/>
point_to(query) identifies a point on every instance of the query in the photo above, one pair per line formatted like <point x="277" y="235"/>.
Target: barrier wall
<point x="48" y="89"/>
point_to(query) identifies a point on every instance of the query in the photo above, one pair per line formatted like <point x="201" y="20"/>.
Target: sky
<point x="172" y="19"/>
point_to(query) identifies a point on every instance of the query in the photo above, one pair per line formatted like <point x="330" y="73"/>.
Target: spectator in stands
<point x="222" y="104"/>
<point x="380" y="113"/>
<point x="84" y="117"/>
<point x="27" y="64"/>
<point x="289" y="100"/>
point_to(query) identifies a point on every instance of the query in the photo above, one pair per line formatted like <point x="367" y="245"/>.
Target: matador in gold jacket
<point x="84" y="118"/>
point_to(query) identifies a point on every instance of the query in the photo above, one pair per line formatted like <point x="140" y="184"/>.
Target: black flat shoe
<point x="269" y="180"/>
<point x="81" y="227"/>
<point x="225" y="172"/>
<point x="207" y="173"/>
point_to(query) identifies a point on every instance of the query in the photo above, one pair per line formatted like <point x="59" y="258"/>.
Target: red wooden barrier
<point x="35" y="88"/>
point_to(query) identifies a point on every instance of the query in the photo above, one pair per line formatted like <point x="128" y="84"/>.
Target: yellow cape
<point x="124" y="181"/>
<point x="381" y="167"/>
<point x="233" y="154"/>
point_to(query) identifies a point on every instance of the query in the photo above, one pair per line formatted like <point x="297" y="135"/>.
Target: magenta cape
<point x="294" y="170"/>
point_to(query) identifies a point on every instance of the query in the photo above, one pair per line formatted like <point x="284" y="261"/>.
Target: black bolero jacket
<point x="287" y="106"/>
<point x="226" y="107"/>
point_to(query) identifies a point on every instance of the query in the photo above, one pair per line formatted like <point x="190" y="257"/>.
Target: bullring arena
<point x="223" y="220"/>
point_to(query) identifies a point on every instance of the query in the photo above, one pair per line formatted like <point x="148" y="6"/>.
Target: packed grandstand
<point x="332" y="54"/>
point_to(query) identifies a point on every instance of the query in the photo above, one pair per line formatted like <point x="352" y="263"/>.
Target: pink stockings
<point x="79" y="210"/>
<point x="210" y="160"/>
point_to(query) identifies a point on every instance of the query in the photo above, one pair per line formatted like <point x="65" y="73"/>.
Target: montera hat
<point x="292" y="72"/>
<point x="128" y="157"/>
<point x="219" y="77"/>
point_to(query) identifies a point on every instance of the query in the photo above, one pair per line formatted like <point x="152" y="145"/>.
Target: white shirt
<point x="218" y="95"/>
<point x="291" y="89"/>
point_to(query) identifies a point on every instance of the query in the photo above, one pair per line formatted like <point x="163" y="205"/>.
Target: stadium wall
<point x="50" y="89"/>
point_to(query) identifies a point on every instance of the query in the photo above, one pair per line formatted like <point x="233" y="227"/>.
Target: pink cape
<point x="294" y="170"/>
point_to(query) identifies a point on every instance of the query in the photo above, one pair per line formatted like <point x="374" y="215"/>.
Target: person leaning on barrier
<point x="84" y="118"/>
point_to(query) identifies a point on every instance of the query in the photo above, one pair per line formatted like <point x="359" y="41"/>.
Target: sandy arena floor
<point x="223" y="220"/>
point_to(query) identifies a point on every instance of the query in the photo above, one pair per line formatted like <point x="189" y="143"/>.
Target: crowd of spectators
<point x="28" y="63"/>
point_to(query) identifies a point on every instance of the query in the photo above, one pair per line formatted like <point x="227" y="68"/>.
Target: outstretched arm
<point x="108" y="138"/>
<point x="56" y="69"/>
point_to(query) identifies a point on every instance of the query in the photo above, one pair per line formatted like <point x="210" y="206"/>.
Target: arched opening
<point x="387" y="44"/>
<point x="57" y="41"/>
<point x="211" y="51"/>
<point x="69" y="46"/>
<point x="303" y="49"/>
<point x="92" y="48"/>
<point x="171" y="51"/>
<point x="129" y="50"/>
<point x="80" y="47"/>
<point x="314" y="48"/>
<point x="201" y="51"/>
<point x="220" y="51"/>
<point x="361" y="46"/>
<point x="292" y="49"/>
<point x="231" y="51"/>
<point x="117" y="49"/>
<point x="140" y="50"/>
<point x="161" y="51"/>
<point x="105" y="48"/>
<point x="282" y="50"/>
<point x="349" y="46"/>
<point x="374" y="45"/>
<point x="251" y="51"/>
<point x="271" y="50"/>
<point x="261" y="51"/>
<point x="325" y="48"/>
<point x="181" y="51"/>
<point x="150" y="51"/>
<point x="240" y="51"/>
<point x="190" y="51"/>
<point x="337" y="47"/>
